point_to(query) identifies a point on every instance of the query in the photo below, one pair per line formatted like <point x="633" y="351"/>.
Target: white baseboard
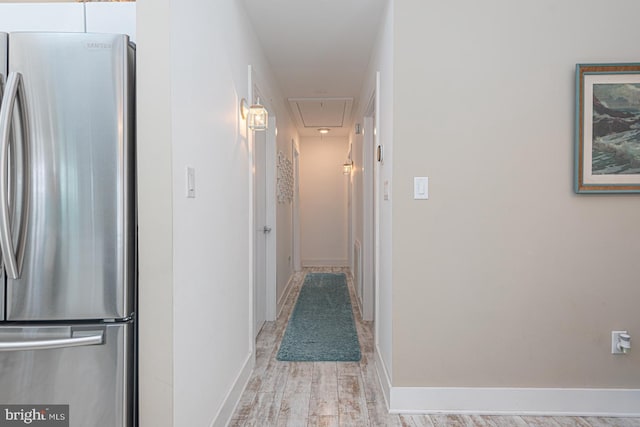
<point x="383" y="377"/>
<point x="285" y="294"/>
<point x="515" y="401"/>
<point x="223" y="417"/>
<point x="506" y="401"/>
<point x="325" y="262"/>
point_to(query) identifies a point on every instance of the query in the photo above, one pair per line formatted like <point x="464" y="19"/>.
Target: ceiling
<point x="319" y="52"/>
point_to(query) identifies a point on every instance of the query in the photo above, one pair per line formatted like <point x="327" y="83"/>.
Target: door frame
<point x="271" y="217"/>
<point x="369" y="212"/>
<point x="295" y="150"/>
<point x="258" y="239"/>
<point x="376" y="210"/>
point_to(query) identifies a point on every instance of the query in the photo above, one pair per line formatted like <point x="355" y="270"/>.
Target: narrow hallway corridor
<point x="311" y="393"/>
<point x="332" y="394"/>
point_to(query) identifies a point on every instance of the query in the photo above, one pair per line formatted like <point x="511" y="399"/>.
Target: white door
<point x="264" y="220"/>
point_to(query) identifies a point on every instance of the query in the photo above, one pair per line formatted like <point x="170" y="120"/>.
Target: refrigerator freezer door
<point x="79" y="258"/>
<point x="91" y="379"/>
<point x="3" y="81"/>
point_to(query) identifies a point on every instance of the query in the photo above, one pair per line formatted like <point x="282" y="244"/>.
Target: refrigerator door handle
<point x="14" y="93"/>
<point x="85" y="340"/>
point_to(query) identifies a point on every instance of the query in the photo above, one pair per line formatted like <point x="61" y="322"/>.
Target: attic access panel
<point x="321" y="112"/>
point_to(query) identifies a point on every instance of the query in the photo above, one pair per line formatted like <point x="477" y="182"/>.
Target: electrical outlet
<point x="615" y="339"/>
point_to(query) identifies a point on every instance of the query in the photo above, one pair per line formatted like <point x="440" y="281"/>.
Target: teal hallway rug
<point x="321" y="327"/>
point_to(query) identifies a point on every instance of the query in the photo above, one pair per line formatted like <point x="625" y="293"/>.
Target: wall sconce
<point x="244" y="109"/>
<point x="256" y="115"/>
<point x="347" y="166"/>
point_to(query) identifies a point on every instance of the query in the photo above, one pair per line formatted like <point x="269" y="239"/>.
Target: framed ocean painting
<point x="607" y="128"/>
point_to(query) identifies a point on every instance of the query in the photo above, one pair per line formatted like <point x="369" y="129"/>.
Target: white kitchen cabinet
<point x="64" y="17"/>
<point x="101" y="17"/>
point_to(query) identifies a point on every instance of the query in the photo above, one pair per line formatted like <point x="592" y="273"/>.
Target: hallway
<point x="332" y="394"/>
<point x="311" y="393"/>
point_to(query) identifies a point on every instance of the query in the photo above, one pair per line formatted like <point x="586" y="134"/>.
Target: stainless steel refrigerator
<point x="68" y="225"/>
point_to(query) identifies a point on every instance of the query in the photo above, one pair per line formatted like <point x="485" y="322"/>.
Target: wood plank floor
<point x="301" y="394"/>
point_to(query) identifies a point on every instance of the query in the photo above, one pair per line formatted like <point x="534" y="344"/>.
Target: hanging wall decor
<point x="607" y="153"/>
<point x="285" y="179"/>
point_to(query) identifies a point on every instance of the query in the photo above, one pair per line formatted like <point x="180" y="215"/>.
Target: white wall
<point x="42" y="17"/>
<point x="155" y="215"/>
<point x="209" y="236"/>
<point x="505" y="277"/>
<point x="323" y="201"/>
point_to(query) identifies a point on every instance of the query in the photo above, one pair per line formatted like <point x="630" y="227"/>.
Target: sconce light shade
<point x="244" y="109"/>
<point x="346" y="167"/>
<point x="258" y="117"/>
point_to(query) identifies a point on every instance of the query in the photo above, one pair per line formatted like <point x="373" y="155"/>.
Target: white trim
<point x="376" y="230"/>
<point x="383" y="377"/>
<point x="356" y="273"/>
<point x="285" y="293"/>
<point x="325" y="262"/>
<point x="270" y="189"/>
<point x="231" y="401"/>
<point x="368" y="207"/>
<point x="350" y="227"/>
<point x="515" y="401"/>
<point x="297" y="266"/>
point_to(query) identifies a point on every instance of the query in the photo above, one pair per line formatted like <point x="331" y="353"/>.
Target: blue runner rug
<point x="321" y="327"/>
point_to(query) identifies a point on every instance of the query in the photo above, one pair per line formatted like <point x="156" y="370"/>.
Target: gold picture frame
<point x="607" y="157"/>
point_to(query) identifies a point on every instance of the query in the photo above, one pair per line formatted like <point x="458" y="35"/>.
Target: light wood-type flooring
<point x="301" y="394"/>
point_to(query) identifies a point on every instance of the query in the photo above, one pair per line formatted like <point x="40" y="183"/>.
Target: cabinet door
<point x="66" y="17"/>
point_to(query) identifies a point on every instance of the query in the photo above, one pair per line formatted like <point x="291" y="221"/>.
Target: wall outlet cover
<point x="615" y="338"/>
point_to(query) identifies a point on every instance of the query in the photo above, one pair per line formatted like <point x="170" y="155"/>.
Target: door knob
<point x="266" y="229"/>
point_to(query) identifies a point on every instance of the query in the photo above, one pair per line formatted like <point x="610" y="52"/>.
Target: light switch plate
<point x="420" y="187"/>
